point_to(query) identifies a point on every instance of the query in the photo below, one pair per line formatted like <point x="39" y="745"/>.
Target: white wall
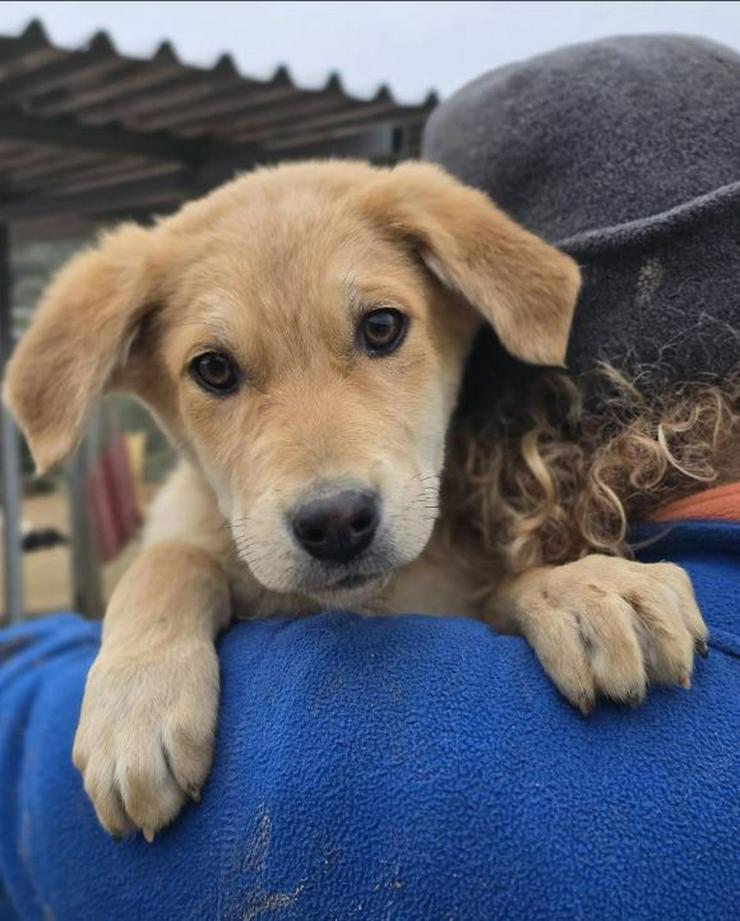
<point x="413" y="46"/>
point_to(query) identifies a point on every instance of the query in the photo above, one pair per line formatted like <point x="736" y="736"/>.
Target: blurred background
<point x="124" y="110"/>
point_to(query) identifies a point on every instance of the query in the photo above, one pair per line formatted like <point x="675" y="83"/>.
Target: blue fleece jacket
<point x="394" y="768"/>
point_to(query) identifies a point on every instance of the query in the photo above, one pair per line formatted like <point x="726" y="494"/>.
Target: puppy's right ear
<point x="524" y="288"/>
<point x="81" y="333"/>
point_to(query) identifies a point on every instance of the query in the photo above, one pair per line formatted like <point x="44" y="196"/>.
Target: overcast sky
<point x="412" y="46"/>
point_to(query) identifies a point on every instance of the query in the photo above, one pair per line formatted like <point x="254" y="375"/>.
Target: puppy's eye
<point x="381" y="331"/>
<point x="215" y="372"/>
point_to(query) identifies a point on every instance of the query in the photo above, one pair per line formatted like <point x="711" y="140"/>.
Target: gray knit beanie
<point x="625" y="153"/>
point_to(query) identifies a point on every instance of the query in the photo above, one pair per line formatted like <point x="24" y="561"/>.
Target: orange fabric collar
<point x="721" y="503"/>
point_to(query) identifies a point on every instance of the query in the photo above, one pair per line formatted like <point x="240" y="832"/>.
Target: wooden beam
<point x="380" y="144"/>
<point x="71" y="69"/>
<point x="66" y="132"/>
<point x="151" y="191"/>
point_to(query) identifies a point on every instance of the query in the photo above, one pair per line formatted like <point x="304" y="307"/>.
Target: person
<point x="417" y="768"/>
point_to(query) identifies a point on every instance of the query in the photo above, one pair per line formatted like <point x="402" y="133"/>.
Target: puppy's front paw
<point x="606" y="626"/>
<point x="145" y="737"/>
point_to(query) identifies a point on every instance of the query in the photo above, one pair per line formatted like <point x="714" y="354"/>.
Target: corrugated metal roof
<point x="89" y="130"/>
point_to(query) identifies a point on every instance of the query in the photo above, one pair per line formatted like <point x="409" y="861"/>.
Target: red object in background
<point x="114" y="512"/>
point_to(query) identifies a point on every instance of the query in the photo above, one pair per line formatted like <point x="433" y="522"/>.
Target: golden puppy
<point x="300" y="334"/>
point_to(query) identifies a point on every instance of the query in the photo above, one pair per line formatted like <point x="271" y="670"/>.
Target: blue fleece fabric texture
<point x="394" y="768"/>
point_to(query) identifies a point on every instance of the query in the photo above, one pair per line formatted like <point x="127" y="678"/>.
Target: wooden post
<point x="11" y="480"/>
<point x="87" y="590"/>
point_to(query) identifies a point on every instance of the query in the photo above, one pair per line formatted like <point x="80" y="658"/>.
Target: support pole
<point x="87" y="589"/>
<point x="11" y="480"/>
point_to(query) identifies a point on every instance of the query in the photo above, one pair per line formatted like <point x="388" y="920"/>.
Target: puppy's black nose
<point x="338" y="527"/>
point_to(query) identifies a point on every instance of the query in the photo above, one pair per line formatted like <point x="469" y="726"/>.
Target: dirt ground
<point x="46" y="573"/>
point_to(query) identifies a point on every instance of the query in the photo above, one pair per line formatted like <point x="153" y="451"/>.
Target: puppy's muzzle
<point x="336" y="528"/>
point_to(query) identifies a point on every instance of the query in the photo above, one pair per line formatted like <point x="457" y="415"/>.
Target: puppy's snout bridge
<point x="337" y="528"/>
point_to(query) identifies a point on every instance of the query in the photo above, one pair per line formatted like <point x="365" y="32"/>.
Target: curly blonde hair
<point x="560" y="465"/>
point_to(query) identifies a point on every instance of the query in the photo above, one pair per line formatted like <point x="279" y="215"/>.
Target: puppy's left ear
<point x="526" y="289"/>
<point x="79" y="339"/>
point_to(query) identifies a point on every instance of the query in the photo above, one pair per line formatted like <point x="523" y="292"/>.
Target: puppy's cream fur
<point x="277" y="268"/>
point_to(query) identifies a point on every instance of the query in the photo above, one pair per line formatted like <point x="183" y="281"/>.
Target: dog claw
<point x="585" y="705"/>
<point x="702" y="648"/>
<point x="684" y="681"/>
<point x="148" y="834"/>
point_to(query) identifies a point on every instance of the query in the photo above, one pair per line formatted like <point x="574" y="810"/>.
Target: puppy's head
<point x="300" y="333"/>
